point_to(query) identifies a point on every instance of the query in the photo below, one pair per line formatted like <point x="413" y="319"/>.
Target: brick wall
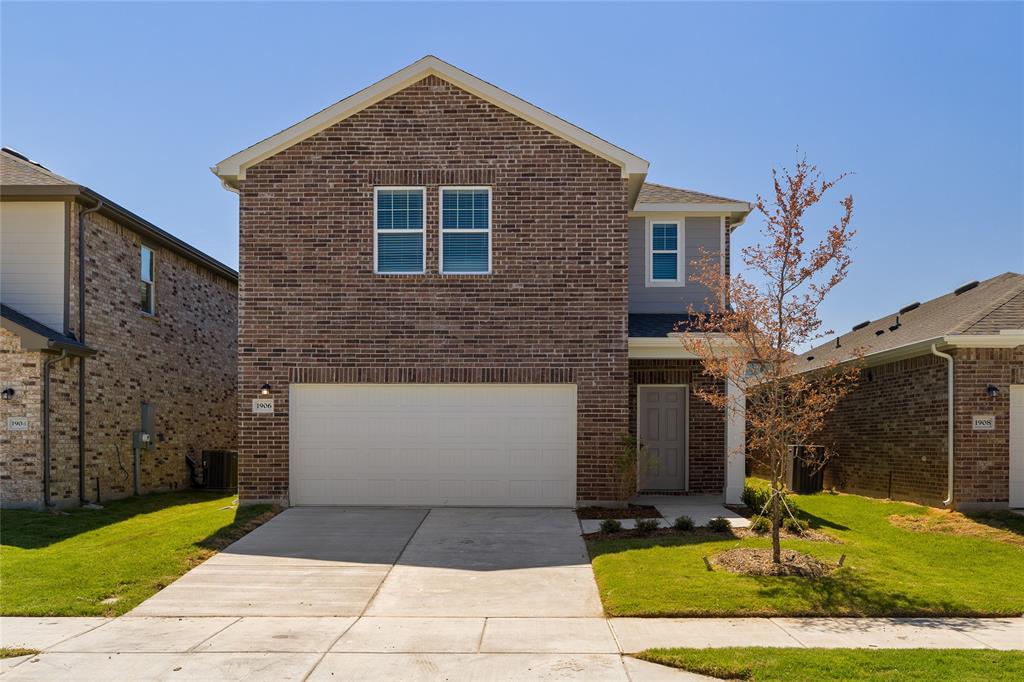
<point x="310" y="302"/>
<point x="981" y="474"/>
<point x="705" y="426"/>
<point x="181" y="360"/>
<point x="890" y="433"/>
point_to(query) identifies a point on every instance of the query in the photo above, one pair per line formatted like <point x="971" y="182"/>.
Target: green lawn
<point x="104" y="562"/>
<point x="814" y="665"/>
<point x="889" y="571"/>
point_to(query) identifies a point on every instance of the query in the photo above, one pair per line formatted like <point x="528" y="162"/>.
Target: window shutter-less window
<point x="399" y="233"/>
<point x="465" y="230"/>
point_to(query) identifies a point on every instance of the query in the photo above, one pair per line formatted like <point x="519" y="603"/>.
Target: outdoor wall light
<point x="992" y="390"/>
<point x="265" y="389"/>
<point x="7" y="393"/>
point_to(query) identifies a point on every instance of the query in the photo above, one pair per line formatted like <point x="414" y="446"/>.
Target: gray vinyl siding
<point x="32" y="259"/>
<point x="699" y="232"/>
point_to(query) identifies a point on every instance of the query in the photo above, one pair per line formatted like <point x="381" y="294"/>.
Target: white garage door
<point x="433" y="444"/>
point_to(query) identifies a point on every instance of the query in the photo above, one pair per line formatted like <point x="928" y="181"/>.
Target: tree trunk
<point x="776" y="521"/>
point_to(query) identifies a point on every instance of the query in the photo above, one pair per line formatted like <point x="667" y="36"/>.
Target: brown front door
<point x="661" y="413"/>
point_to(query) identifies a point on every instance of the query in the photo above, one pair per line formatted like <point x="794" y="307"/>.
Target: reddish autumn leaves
<point x="755" y="322"/>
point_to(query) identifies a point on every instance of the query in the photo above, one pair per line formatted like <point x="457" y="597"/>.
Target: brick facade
<point x="890" y="432"/>
<point x="705" y="424"/>
<point x="554" y="307"/>
<point x="181" y="360"/>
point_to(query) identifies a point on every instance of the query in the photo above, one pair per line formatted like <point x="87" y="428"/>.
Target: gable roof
<point x="232" y="169"/>
<point x="654" y="193"/>
<point x="986" y="308"/>
<point x="23" y="178"/>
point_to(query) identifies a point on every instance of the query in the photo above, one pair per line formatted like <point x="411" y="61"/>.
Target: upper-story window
<point x="465" y="230"/>
<point x="147" y="284"/>
<point x="664" y="253"/>
<point x="399" y="235"/>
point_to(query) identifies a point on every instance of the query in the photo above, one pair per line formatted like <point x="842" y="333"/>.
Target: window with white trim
<point x="664" y="253"/>
<point x="147" y="282"/>
<point x="465" y="216"/>
<point x="398" y="226"/>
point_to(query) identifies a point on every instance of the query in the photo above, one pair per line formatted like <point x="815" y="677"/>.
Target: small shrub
<point x="646" y="526"/>
<point x="760" y="524"/>
<point x="756" y="496"/>
<point x="683" y="523"/>
<point x="626" y="468"/>
<point x="611" y="526"/>
<point x="719" y="525"/>
<point x="795" y="526"/>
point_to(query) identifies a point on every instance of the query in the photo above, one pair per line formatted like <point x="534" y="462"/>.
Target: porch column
<point x="735" y="445"/>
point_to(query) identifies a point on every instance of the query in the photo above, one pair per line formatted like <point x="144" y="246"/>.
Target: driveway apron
<point x="325" y="561"/>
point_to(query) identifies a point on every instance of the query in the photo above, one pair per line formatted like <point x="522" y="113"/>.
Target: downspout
<point x="46" y="426"/>
<point x="949" y="424"/>
<point x="81" y="360"/>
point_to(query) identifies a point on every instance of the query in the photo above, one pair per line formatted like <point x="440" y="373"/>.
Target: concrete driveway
<point x="450" y="562"/>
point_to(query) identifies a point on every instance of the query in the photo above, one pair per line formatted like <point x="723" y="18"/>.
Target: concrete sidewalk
<point x="256" y="648"/>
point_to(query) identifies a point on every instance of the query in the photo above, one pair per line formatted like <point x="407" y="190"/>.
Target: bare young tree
<point x="765" y="316"/>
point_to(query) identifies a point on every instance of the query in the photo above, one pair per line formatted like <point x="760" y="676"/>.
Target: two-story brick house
<point x="449" y="296"/>
<point x="136" y="322"/>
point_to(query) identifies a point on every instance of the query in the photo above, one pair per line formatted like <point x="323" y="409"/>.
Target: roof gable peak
<point x="232" y="169"/>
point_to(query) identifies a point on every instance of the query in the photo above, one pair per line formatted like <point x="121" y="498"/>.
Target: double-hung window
<point x="465" y="230"/>
<point x="399" y="234"/>
<point x="147" y="284"/>
<point x="664" y="254"/>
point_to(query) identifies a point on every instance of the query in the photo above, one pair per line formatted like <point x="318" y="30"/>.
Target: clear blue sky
<point x="922" y="101"/>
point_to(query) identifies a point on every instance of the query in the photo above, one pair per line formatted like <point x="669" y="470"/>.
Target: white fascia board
<point x="233" y="168"/>
<point x="669" y="347"/>
<point x="910" y="350"/>
<point x="1008" y="338"/>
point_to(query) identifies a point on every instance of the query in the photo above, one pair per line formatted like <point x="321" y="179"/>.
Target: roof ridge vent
<point x="965" y="288"/>
<point x="861" y="325"/>
<point x="907" y="308"/>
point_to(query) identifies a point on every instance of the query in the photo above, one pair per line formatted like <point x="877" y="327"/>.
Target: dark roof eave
<point x="115" y="211"/>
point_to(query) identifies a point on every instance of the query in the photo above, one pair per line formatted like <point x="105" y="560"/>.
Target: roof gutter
<point x="949" y="423"/>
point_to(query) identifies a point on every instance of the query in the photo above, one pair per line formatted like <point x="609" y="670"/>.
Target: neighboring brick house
<point x="449" y="296"/>
<point x="160" y="321"/>
<point x="891" y="433"/>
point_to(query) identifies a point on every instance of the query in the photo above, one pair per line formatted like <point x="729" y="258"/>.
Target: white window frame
<point x="376" y="231"/>
<point x="680" y="280"/>
<point x="152" y="281"/>
<point x="441" y="231"/>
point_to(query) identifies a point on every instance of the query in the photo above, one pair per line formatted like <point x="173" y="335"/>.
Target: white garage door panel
<point x="433" y="444"/>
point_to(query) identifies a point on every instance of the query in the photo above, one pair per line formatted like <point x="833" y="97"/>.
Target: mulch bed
<point x="738" y="533"/>
<point x="633" y="511"/>
<point x="750" y="561"/>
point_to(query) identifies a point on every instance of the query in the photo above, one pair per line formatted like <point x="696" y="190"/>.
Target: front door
<point x="661" y="429"/>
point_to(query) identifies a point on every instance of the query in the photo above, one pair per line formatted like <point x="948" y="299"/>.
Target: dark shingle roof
<point x="53" y="339"/>
<point x="652" y="193"/>
<point x="992" y="305"/>
<point x="16" y="169"/>
<point x="654" y="325"/>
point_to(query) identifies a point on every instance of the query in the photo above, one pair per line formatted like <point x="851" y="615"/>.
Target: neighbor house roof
<point x="980" y="313"/>
<point x="232" y="169"/>
<point x="23" y="178"/>
<point x="37" y="336"/>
